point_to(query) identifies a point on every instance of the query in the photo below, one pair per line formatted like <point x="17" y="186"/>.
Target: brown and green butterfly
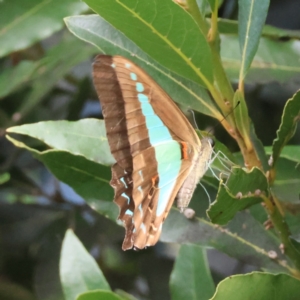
<point x="159" y="157"/>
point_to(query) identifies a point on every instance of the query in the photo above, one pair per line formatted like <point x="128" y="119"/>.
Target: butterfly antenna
<point x="205" y="190"/>
<point x="194" y="118"/>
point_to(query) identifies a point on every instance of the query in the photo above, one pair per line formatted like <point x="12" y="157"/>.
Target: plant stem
<point x="193" y="9"/>
<point x="222" y="91"/>
<point x="283" y="232"/>
<point x="221" y="78"/>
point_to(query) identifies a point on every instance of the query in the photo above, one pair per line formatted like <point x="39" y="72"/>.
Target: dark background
<point x="36" y="209"/>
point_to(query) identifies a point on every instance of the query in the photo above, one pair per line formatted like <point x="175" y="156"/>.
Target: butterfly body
<point x="159" y="156"/>
<point x="199" y="167"/>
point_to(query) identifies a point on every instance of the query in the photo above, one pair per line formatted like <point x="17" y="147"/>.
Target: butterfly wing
<point x="152" y="142"/>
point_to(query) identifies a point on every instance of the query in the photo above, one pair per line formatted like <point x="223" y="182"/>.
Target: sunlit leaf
<point x="289" y="120"/>
<point x="274" y="60"/>
<point x="243" y="238"/>
<point x="287" y="181"/>
<point x="79" y="271"/>
<point x="241" y="190"/>
<point x="191" y="278"/>
<point x="290" y="152"/>
<point x="87" y="178"/>
<point x="97" y="295"/>
<point x="109" y="40"/>
<point x="179" y="44"/>
<point x="262" y="285"/>
<point x="252" y="16"/>
<point x="86" y="137"/>
<point x="26" y="22"/>
<point x="227" y="26"/>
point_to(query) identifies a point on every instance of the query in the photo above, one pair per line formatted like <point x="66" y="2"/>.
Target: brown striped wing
<point x="135" y="175"/>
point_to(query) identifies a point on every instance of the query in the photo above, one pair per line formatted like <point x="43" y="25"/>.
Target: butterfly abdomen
<point x="199" y="166"/>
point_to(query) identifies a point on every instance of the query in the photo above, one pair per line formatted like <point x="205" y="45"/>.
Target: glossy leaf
<point x="262" y="285"/>
<point x="97" y="295"/>
<point x="289" y="120"/>
<point x="124" y="295"/>
<point x="287" y="181"/>
<point x="13" y="78"/>
<point x="241" y="190"/>
<point x="227" y="26"/>
<point x="191" y="278"/>
<point x="79" y="271"/>
<point x="179" y="44"/>
<point x="252" y="16"/>
<point x="290" y="152"/>
<point x="250" y="249"/>
<point x="243" y="238"/>
<point x="86" y="137"/>
<point x="27" y="22"/>
<point x="87" y="178"/>
<point x="274" y="60"/>
<point x="226" y="206"/>
<point x="109" y="40"/>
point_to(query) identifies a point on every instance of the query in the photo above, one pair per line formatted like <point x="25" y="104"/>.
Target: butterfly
<point x="159" y="157"/>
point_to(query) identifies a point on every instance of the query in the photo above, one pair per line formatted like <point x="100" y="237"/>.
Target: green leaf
<point x="241" y="190"/>
<point x="124" y="295"/>
<point x="191" y="278"/>
<point x="4" y="177"/>
<point x="289" y="119"/>
<point x="79" y="271"/>
<point x="104" y="36"/>
<point x="227" y="26"/>
<point x="243" y="238"/>
<point x="108" y="209"/>
<point x="25" y="23"/>
<point x="259" y="148"/>
<point x="56" y="64"/>
<point x="204" y="7"/>
<point x="181" y="48"/>
<point x="262" y="285"/>
<point x="274" y="60"/>
<point x="252" y="16"/>
<point x="13" y="78"/>
<point x="213" y="3"/>
<point x="97" y="295"/>
<point x="290" y="152"/>
<point x="86" y="137"/>
<point x="241" y="115"/>
<point x="287" y="181"/>
<point x="87" y="178"/>
<point x="293" y="219"/>
<point x="296" y="244"/>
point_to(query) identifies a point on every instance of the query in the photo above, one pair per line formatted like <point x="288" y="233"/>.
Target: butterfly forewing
<point x="152" y="142"/>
